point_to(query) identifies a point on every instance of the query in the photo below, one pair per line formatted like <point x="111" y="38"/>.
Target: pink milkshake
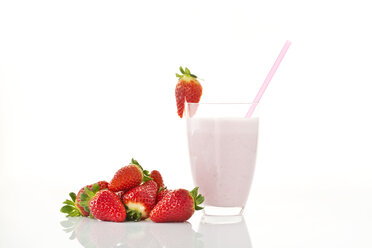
<point x="222" y="155"/>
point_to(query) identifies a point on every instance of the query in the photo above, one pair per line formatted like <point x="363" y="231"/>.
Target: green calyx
<point x="161" y="189"/>
<point x="87" y="196"/>
<point x="198" y="198"/>
<point x="70" y="208"/>
<point x="133" y="215"/>
<point x="146" y="173"/>
<point x="185" y="73"/>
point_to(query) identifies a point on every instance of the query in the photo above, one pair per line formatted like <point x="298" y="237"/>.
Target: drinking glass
<point x="222" y="147"/>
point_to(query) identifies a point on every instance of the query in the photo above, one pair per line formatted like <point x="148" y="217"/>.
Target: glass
<point x="222" y="148"/>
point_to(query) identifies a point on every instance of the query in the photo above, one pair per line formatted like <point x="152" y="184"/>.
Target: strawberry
<point x="128" y="177"/>
<point x="157" y="178"/>
<point x="74" y="208"/>
<point x="177" y="206"/>
<point x="161" y="193"/>
<point x="103" y="204"/>
<point x="120" y="194"/>
<point x="140" y="200"/>
<point x="107" y="206"/>
<point x="188" y="89"/>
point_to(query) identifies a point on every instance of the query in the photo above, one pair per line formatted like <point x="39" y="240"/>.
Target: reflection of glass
<point x="175" y="235"/>
<point x="224" y="235"/>
<point x="222" y="148"/>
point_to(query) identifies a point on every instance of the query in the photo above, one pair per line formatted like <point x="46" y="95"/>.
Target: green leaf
<point x="146" y="178"/>
<point x="95" y="188"/>
<point x="198" y="208"/>
<point x="187" y="71"/>
<point x="194" y="76"/>
<point x="73" y="196"/>
<point x="84" y="197"/>
<point x="84" y="203"/>
<point x="86" y="209"/>
<point x="68" y="202"/>
<point x="181" y="70"/>
<point x="178" y="75"/>
<point x="194" y="192"/>
<point x="74" y="213"/>
<point x="160" y="189"/>
<point x="89" y="192"/>
<point x="136" y="163"/>
<point x="198" y="198"/>
<point x="133" y="215"/>
<point x="67" y="209"/>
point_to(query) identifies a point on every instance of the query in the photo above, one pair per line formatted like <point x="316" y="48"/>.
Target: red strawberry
<point x="120" y="194"/>
<point x="188" y="89"/>
<point x="177" y="206"/>
<point x="141" y="200"/>
<point x="157" y="178"/>
<point x="74" y="208"/>
<point x="128" y="177"/>
<point x="102" y="185"/>
<point x="162" y="192"/>
<point x="106" y="205"/>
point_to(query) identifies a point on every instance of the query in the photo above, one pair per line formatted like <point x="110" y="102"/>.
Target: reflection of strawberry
<point x="177" y="206"/>
<point x="128" y="177"/>
<point x="140" y="200"/>
<point x="156" y="176"/>
<point x="162" y="192"/>
<point x="188" y="89"/>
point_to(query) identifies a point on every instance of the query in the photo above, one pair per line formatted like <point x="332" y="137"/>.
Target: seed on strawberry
<point x="128" y="177"/>
<point x="156" y="176"/>
<point x="73" y="208"/>
<point x="140" y="200"/>
<point x="161" y="193"/>
<point x="177" y="206"/>
<point x="103" y="204"/>
<point x="188" y="89"/>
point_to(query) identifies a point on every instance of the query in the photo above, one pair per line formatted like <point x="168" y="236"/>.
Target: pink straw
<point x="268" y="79"/>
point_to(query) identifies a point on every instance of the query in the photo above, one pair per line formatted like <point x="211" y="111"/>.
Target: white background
<point x="87" y="85"/>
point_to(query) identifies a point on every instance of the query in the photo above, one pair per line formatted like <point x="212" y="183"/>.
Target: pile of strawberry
<point x="133" y="194"/>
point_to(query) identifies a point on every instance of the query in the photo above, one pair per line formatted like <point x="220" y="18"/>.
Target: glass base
<point x="223" y="211"/>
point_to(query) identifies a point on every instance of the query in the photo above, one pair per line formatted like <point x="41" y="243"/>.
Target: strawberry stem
<point x="185" y="73"/>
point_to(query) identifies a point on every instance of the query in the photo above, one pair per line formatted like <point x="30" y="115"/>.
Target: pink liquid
<point x="223" y="156"/>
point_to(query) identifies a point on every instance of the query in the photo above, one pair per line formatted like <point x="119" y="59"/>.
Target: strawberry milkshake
<point x="222" y="148"/>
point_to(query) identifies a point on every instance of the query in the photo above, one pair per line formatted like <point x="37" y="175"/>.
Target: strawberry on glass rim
<point x="188" y="89"/>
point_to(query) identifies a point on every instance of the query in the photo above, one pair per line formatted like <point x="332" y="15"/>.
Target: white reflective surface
<point x="91" y="233"/>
